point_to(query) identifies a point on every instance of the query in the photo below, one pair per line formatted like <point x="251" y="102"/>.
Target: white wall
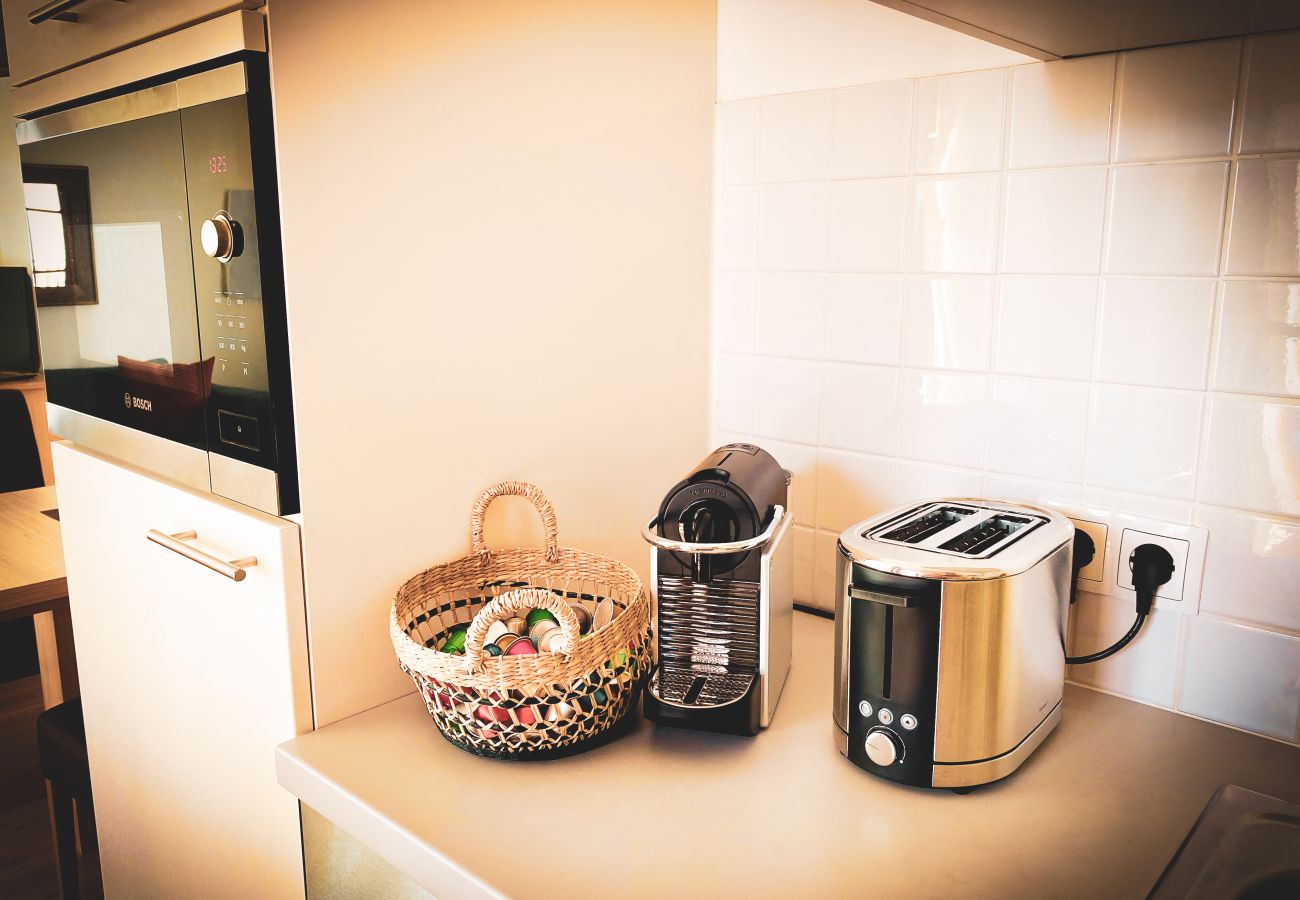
<point x="13" y="221"/>
<point x="496" y="221"/>
<point x="1076" y="281"/>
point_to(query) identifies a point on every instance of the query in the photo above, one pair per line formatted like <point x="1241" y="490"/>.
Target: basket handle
<point x="510" y="603"/>
<point x="513" y="489"/>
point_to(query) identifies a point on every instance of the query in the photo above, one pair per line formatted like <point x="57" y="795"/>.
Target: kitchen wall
<point x="13" y="220"/>
<point x="1074" y="281"/>
<point x="496" y="238"/>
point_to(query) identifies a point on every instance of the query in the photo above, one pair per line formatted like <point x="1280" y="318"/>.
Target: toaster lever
<point x="859" y="593"/>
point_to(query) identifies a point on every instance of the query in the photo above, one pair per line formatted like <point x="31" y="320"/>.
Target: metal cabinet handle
<point x="234" y="569"/>
<point x="56" y="9"/>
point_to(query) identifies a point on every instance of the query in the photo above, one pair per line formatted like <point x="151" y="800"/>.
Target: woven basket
<point x="524" y="707"/>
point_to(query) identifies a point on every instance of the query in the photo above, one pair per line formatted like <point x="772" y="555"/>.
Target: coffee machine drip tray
<point x="700" y="690"/>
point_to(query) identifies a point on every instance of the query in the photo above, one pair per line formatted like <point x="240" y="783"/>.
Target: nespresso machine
<point x="722" y="584"/>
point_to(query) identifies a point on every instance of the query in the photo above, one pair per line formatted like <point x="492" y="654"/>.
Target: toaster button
<point x="865" y="708"/>
<point x="886" y="717"/>
<point x="907" y="720"/>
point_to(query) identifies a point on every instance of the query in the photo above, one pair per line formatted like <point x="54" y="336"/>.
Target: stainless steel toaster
<point x="950" y="639"/>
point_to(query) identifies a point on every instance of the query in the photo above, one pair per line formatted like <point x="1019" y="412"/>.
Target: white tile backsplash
<point x="948" y="323"/>
<point x="1166" y="219"/>
<point x="1252" y="454"/>
<point x="1144" y="440"/>
<point x="864" y="232"/>
<point x="789" y="389"/>
<point x="1252" y="567"/>
<point x="1145" y="670"/>
<point x="954" y="224"/>
<point x="864" y="316"/>
<point x="1060" y="113"/>
<point x="1155" y="331"/>
<point x="859" y="405"/>
<point x="1037" y="428"/>
<point x="957" y="123"/>
<point x="1242" y="676"/>
<point x="788" y="313"/>
<point x="795" y="136"/>
<point x="1054" y="221"/>
<point x="943" y="417"/>
<point x="1265" y="236"/>
<point x="1176" y="102"/>
<point x="1088" y="296"/>
<point x="792" y="226"/>
<point x="1271" y="117"/>
<point x="1045" y="327"/>
<point x="1259" y="338"/>
<point x="872" y="130"/>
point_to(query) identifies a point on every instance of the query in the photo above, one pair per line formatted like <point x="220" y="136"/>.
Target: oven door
<point x="113" y="240"/>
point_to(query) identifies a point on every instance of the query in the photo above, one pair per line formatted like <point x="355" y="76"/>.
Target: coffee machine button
<point x="908" y="721"/>
<point x="883" y="748"/>
<point x="886" y="717"/>
<point x="865" y="708"/>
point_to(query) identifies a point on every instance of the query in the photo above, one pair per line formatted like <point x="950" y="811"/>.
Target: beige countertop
<point x="1098" y="810"/>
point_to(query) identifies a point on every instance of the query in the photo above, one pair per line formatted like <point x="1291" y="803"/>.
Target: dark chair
<point x="20" y="458"/>
<point x="61" y="743"/>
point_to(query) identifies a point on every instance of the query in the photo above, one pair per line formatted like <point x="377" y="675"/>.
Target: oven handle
<point x="234" y="569"/>
<point x="57" y="9"/>
<point x="648" y="532"/>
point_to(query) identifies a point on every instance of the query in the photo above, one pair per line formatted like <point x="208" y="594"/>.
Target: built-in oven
<point x="160" y="294"/>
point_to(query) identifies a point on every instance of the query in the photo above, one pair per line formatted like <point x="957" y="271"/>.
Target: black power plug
<point x="1151" y="566"/>
<point x="1085" y="550"/>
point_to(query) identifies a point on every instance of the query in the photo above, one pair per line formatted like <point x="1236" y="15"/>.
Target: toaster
<point x="722" y="586"/>
<point x="950" y="623"/>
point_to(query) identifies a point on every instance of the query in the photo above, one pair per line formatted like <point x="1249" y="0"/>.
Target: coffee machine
<point x="722" y="586"/>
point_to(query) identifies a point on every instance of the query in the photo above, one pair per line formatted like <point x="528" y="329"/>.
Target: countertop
<point x="1097" y="810"/>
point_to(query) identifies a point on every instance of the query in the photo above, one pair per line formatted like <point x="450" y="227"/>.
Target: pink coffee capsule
<point x="521" y="647"/>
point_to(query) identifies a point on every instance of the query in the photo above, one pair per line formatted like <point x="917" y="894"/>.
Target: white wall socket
<point x="1117" y="534"/>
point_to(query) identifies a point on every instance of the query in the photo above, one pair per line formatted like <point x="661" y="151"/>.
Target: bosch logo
<point x="139" y="403"/>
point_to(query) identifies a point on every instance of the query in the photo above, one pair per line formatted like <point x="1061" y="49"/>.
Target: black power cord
<point x="1151" y="566"/>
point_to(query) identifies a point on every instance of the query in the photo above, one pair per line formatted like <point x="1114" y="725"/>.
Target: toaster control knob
<point x="883" y="748"/>
<point x="220" y="237"/>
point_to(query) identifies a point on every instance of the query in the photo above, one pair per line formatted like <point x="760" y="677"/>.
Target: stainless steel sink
<point x="1244" y="846"/>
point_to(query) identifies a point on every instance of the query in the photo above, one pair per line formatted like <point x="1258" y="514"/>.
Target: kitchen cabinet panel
<point x="188" y="679"/>
<point x="100" y="27"/>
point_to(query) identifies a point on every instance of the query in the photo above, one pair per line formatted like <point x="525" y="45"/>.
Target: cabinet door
<point x="189" y="680"/>
<point x="101" y="27"/>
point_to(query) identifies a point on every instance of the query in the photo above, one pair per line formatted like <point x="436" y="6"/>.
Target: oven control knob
<point x="221" y="237"/>
<point x="883" y="747"/>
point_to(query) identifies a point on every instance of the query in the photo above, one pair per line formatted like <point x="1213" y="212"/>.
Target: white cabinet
<point x="189" y="680"/>
<point x="100" y="27"/>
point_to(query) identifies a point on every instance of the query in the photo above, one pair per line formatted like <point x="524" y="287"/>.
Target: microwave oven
<point x="155" y="241"/>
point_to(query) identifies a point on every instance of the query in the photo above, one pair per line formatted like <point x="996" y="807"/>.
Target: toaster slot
<point x="927" y="524"/>
<point x="988" y="533"/>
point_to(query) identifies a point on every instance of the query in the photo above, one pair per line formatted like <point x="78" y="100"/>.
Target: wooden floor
<point x="26" y="856"/>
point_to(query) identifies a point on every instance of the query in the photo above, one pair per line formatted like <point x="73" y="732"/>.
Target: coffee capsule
<point x="557" y="711"/>
<point x="517" y="624"/>
<point x="521" y="647"/>
<point x="541" y="627"/>
<point x="584" y="617"/>
<point x="455" y="642"/>
<point x="495" y="630"/>
<point x="503" y="643"/>
<point x="604" y="614"/>
<point x="553" y="642"/>
<point x="491" y="649"/>
<point x="539" y="615"/>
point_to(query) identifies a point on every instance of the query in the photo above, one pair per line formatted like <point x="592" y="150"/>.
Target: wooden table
<point x="32" y="583"/>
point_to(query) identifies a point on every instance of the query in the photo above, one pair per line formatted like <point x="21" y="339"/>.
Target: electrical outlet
<point x="1178" y="548"/>
<point x="1094" y="571"/>
<point x="1123" y="532"/>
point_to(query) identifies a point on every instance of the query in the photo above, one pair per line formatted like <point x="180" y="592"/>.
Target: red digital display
<point x="217" y="165"/>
